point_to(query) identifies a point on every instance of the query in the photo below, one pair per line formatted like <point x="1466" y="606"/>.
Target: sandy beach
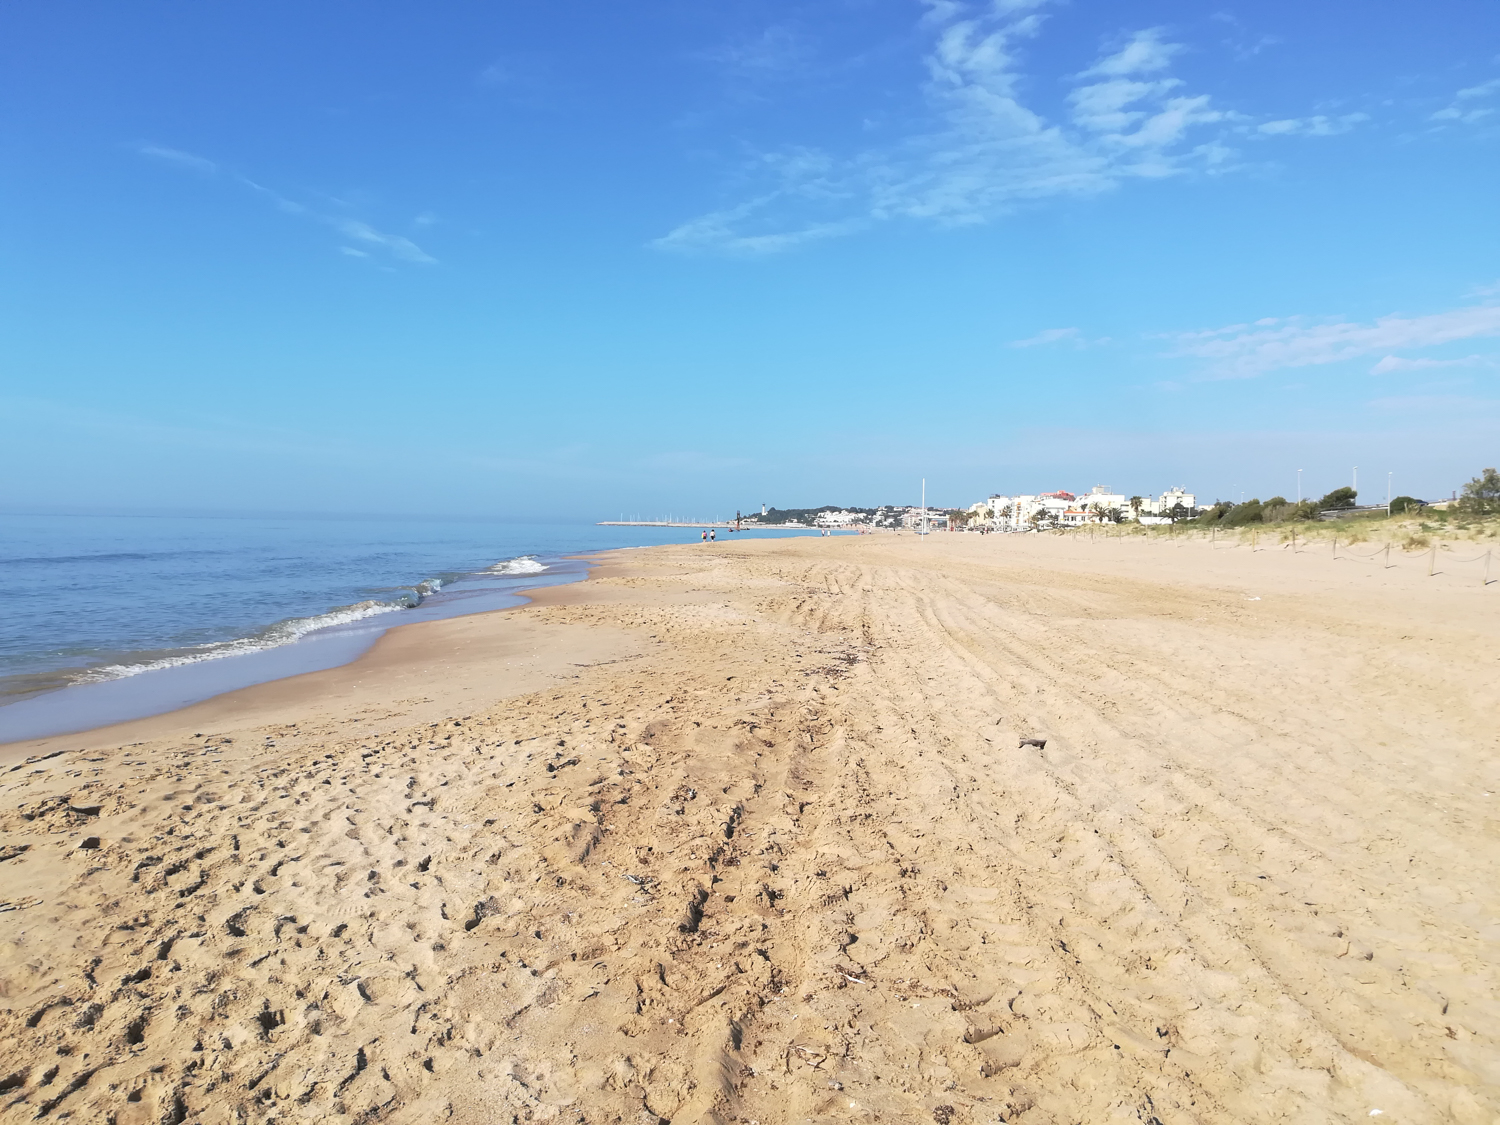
<point x="1021" y="829"/>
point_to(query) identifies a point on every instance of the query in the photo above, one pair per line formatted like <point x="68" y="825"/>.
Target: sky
<point x="579" y="261"/>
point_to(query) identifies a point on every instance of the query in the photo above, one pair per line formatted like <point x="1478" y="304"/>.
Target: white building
<point x="1063" y="509"/>
<point x="937" y="520"/>
<point x="1022" y="513"/>
<point x="838" y="519"/>
<point x="1101" y="500"/>
<point x="1167" y="501"/>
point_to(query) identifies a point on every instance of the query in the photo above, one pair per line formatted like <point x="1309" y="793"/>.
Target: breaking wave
<point x="526" y="564"/>
<point x="295" y="628"/>
<point x="282" y="633"/>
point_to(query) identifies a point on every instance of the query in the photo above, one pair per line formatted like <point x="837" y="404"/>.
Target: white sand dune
<point x="748" y="833"/>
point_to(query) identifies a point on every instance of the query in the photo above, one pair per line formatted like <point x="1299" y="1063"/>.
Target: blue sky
<point x="579" y="260"/>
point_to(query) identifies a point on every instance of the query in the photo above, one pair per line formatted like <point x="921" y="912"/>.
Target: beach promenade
<point x="970" y="829"/>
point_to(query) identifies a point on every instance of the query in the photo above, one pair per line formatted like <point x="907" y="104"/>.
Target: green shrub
<point x="1277" y="510"/>
<point x="1482" y="495"/>
<point x="1215" y="514"/>
<point x="1403" y="504"/>
<point x="1338" y="499"/>
<point x="1241" y="514"/>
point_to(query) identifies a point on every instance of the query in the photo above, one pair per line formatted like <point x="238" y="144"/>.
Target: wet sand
<point x="749" y="833"/>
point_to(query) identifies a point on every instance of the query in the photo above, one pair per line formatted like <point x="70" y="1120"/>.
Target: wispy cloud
<point x="1144" y="53"/>
<point x="1466" y="107"/>
<point x="985" y="152"/>
<point x="522" y="78"/>
<point x="1316" y="126"/>
<point x="774" y="52"/>
<point x="403" y="248"/>
<point x="179" y="158"/>
<point x="399" y="247"/>
<point x="1049" y="336"/>
<point x="1241" y="41"/>
<point x="1393" y="364"/>
<point x="1246" y="350"/>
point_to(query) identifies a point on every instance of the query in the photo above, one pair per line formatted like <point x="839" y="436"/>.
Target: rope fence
<point x="1382" y="552"/>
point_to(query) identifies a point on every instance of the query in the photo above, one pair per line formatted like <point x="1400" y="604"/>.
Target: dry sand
<point x="747" y="833"/>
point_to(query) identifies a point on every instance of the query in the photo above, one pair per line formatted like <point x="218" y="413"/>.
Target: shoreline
<point x="115" y="686"/>
<point x="241" y="702"/>
<point x="270" y="701"/>
<point x="169" y="683"/>
<point x="830" y="829"/>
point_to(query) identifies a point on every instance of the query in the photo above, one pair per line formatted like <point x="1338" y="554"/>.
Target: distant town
<point x="1025" y="512"/>
<point x="1047" y="511"/>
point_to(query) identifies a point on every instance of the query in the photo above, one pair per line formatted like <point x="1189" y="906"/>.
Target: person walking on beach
<point x="705" y="536"/>
<point x="713" y="536"/>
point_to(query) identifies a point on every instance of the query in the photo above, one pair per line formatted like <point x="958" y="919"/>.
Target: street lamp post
<point x="1299" y="486"/>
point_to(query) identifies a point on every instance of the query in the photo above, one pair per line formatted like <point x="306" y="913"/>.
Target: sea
<point x="111" y="618"/>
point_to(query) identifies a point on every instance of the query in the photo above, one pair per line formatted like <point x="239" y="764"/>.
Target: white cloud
<point x="1392" y="364"/>
<point x="1463" y="108"/>
<point x="1144" y="53"/>
<point x="718" y="231"/>
<point x="179" y="158"/>
<point x="402" y="248"/>
<point x="984" y="152"/>
<point x="1243" y="351"/>
<point x="1049" y="336"/>
<point x="807" y="183"/>
<point x="1102" y="107"/>
<point x="1317" y="126"/>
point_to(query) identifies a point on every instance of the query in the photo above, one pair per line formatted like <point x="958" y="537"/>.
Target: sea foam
<point x="295" y="628"/>
<point x="282" y="633"/>
<point x="526" y="564"/>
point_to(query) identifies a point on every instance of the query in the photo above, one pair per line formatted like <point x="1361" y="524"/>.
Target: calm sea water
<point x="111" y="617"/>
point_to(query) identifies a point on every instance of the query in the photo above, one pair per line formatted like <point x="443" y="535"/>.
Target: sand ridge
<point x="779" y="855"/>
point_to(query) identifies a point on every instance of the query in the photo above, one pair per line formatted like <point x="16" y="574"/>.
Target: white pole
<point x="1299" y="486"/>
<point x="1356" y="478"/>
